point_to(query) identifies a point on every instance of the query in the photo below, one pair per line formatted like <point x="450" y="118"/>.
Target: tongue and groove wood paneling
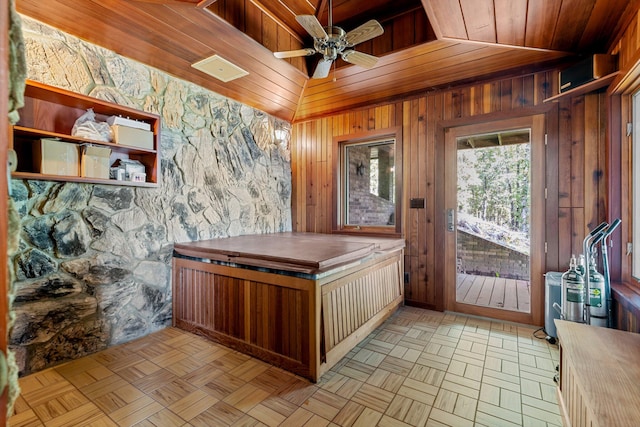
<point x="173" y="36"/>
<point x="585" y="26"/>
<point x="575" y="165"/>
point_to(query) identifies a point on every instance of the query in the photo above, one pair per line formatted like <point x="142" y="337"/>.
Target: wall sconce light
<point x="281" y="135"/>
<point x="360" y="169"/>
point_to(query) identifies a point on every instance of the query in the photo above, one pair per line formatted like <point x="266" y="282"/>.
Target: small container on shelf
<point x="131" y="168"/>
<point x="117" y="173"/>
<point x="138" y="177"/>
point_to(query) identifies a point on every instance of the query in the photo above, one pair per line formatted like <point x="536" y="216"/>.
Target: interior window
<point x="369" y="184"/>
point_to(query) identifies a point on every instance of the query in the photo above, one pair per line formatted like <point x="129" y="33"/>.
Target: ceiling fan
<point x="331" y="41"/>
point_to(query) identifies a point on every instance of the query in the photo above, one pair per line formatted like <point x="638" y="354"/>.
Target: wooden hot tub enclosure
<point x="300" y="301"/>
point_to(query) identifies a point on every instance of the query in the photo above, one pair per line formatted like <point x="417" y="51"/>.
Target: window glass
<point x="369" y="183"/>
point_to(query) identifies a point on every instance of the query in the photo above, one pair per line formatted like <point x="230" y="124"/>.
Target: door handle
<point x="451" y="220"/>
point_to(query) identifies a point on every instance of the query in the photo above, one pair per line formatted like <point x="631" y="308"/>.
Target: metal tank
<point x="598" y="312"/>
<point x="573" y="294"/>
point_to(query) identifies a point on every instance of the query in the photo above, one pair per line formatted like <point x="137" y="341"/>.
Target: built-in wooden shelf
<point x="63" y="178"/>
<point x="51" y="112"/>
<point x="36" y="133"/>
<point x="586" y="88"/>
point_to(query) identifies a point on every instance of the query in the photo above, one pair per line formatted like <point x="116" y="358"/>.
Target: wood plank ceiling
<point x="427" y="44"/>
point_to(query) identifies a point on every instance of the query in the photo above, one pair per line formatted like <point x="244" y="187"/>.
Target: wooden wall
<point x="626" y="307"/>
<point x="575" y="165"/>
<point x="625" y="288"/>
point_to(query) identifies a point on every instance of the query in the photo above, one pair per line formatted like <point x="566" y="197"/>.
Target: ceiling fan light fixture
<point x="218" y="67"/>
<point x="330" y="53"/>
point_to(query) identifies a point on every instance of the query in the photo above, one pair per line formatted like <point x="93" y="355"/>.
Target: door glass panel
<point x="493" y="220"/>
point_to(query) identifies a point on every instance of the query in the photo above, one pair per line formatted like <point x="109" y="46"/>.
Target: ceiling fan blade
<point x="313" y="26"/>
<point x="322" y="69"/>
<point x="359" y="58"/>
<point x="294" y="53"/>
<point x="364" y="32"/>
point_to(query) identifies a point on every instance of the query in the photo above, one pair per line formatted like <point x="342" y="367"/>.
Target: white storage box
<point x="125" y="121"/>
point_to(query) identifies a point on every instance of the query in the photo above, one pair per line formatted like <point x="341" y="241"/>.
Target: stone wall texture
<point x="485" y="258"/>
<point x="94" y="264"/>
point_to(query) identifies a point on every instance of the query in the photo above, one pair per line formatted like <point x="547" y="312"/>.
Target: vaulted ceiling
<point x="426" y="43"/>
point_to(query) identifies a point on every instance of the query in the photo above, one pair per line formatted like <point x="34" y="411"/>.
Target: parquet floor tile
<point x="420" y="368"/>
<point x="267" y="415"/>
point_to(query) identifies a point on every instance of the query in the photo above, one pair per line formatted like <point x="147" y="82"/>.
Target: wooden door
<point x="4" y="142"/>
<point x="448" y="210"/>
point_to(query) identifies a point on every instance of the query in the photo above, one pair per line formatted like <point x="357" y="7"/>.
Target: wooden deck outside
<point x="496" y="292"/>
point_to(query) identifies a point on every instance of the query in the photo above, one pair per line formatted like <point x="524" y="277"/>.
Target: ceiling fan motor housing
<point x="333" y="45"/>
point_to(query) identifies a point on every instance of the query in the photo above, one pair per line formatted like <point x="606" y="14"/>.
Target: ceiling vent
<point x="220" y="68"/>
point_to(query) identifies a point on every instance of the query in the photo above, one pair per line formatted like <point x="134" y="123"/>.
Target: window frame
<point x="621" y="183"/>
<point x="634" y="188"/>
<point x="339" y="172"/>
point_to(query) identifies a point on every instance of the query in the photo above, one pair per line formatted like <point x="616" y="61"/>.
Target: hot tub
<point x="300" y="301"/>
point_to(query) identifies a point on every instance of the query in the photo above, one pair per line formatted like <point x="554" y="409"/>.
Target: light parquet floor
<point x="420" y="368"/>
<point x="496" y="292"/>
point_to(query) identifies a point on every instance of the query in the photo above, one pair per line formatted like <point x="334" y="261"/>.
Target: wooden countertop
<point x="606" y="363"/>
<point x="310" y="253"/>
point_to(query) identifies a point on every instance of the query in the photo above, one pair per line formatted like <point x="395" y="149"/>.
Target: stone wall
<point x="485" y="258"/>
<point x="94" y="264"/>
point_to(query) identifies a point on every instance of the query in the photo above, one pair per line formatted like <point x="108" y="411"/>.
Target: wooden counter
<point x="599" y="376"/>
<point x="298" y="300"/>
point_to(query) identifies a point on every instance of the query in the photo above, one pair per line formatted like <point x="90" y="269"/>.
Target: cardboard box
<point x="55" y="157"/>
<point x="95" y="162"/>
<point x="132" y="137"/>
